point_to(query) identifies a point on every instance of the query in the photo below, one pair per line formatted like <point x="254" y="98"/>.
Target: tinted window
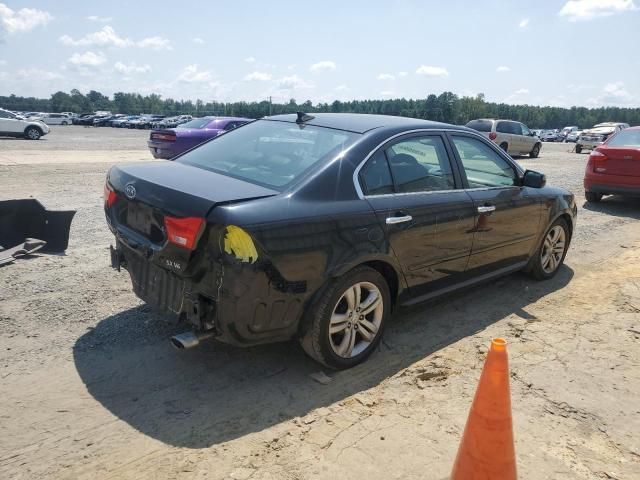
<point x="420" y="164"/>
<point x="480" y="125"/>
<point x="626" y="138"/>
<point x="376" y="176"/>
<point x="269" y="153"/>
<point x="525" y="129"/>
<point x="508" y="127"/>
<point x="483" y="166"/>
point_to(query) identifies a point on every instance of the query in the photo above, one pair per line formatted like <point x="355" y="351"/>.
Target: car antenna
<point x="303" y="117"/>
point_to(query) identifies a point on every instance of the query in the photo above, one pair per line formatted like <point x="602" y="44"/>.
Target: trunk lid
<point x="147" y="193"/>
<point x="619" y="161"/>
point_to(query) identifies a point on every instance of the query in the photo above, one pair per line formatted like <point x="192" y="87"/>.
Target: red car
<point x="614" y="167"/>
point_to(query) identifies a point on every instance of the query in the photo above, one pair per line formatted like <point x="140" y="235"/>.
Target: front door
<point x="507" y="214"/>
<point x="429" y="222"/>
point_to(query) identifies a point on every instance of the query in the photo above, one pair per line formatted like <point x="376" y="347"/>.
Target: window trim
<point x="456" y="164"/>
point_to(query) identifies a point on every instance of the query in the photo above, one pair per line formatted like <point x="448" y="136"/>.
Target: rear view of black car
<point x="316" y="228"/>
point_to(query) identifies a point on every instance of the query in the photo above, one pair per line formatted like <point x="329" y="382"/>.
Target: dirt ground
<point x="91" y="388"/>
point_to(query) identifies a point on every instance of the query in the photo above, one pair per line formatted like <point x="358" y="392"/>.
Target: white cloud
<point x="403" y="74"/>
<point x="258" y="76"/>
<point x="388" y="93"/>
<point x="192" y="74"/>
<point x="3" y="63"/>
<point x="107" y="37"/>
<point x="24" y="20"/>
<point x="503" y="68"/>
<point x="156" y="43"/>
<point x="575" y="10"/>
<point x="524" y="23"/>
<point x="87" y="59"/>
<point x="34" y="74"/>
<point x="95" y="18"/>
<point x="131" y="68"/>
<point x="198" y="40"/>
<point x="293" y="82"/>
<point x="250" y="59"/>
<point x="323" y="66"/>
<point x="431" y="71"/>
<point x="614" y="93"/>
<point x="342" y="88"/>
<point x="520" y="96"/>
<point x="522" y="91"/>
<point x="386" y="76"/>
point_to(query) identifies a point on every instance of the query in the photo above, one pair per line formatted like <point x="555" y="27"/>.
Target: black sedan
<point x="318" y="227"/>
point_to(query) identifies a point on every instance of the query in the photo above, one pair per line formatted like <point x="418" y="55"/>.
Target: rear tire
<point x="535" y="152"/>
<point x="592" y="197"/>
<point x="33" y="133"/>
<point x="336" y="331"/>
<point x="549" y="257"/>
<point x="504" y="146"/>
<point x="578" y="148"/>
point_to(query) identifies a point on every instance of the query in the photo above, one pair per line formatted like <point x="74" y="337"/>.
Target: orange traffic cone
<point x="487" y="451"/>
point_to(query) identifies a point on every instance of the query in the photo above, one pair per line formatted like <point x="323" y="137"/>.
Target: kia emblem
<point x="130" y="191"/>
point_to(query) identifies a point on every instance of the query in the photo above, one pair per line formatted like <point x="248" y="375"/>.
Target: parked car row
<point x="168" y="143"/>
<point x="593" y="137"/>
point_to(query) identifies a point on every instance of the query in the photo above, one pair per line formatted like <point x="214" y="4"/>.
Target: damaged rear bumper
<point x="242" y="303"/>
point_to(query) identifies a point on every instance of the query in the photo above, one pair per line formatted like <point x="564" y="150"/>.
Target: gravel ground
<point x="91" y="388"/>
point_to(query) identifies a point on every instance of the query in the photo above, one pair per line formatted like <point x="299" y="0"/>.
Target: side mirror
<point x="534" y="179"/>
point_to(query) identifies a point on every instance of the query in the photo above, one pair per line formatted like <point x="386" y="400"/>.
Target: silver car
<point x="591" y="138"/>
<point x="515" y="138"/>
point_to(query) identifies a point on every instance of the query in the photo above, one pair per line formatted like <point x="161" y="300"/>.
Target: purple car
<point x="171" y="142"/>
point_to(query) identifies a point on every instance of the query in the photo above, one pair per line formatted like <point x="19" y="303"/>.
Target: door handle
<point x="394" y="220"/>
<point x="486" y="209"/>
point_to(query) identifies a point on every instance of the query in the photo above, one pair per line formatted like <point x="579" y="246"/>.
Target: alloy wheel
<point x="553" y="249"/>
<point x="356" y="319"/>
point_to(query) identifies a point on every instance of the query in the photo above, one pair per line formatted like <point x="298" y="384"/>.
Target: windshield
<point x="269" y="153"/>
<point x="197" y="123"/>
<point x="626" y="138"/>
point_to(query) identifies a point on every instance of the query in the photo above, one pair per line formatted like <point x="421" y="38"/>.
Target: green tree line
<point x="446" y="107"/>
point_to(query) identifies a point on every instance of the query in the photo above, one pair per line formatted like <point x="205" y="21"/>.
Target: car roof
<point x="361" y="123"/>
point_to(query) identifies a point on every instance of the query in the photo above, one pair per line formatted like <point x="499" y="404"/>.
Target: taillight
<point x="595" y="160"/>
<point x="492" y="136"/>
<point x="163" y="136"/>
<point x="109" y="195"/>
<point x="184" y="232"/>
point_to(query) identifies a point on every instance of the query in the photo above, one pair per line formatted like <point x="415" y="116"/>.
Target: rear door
<point x="414" y="190"/>
<point x="504" y="131"/>
<point x="508" y="215"/>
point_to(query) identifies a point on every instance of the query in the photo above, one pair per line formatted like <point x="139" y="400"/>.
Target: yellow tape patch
<point x="238" y="243"/>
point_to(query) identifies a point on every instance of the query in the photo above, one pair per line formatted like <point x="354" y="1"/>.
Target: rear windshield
<point x="480" y="125"/>
<point x="269" y="153"/>
<point x="626" y="138"/>
<point x="196" y="123"/>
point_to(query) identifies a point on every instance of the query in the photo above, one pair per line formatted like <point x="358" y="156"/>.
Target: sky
<point x="561" y="53"/>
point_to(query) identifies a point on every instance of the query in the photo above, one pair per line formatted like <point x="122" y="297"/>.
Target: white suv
<point x="515" y="138"/>
<point x="14" y="126"/>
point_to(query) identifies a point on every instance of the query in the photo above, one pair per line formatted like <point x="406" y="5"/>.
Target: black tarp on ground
<point x="22" y="219"/>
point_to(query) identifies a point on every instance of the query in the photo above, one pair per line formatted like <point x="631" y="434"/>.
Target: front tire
<point x="578" y="148"/>
<point x="550" y="255"/>
<point x="33" y="133"/>
<point x="344" y="325"/>
<point x="593" y="197"/>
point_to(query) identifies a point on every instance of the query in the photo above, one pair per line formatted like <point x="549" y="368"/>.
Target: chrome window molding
<point x="499" y="151"/>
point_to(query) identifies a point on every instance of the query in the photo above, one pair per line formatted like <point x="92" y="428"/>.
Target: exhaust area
<point x="186" y="340"/>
